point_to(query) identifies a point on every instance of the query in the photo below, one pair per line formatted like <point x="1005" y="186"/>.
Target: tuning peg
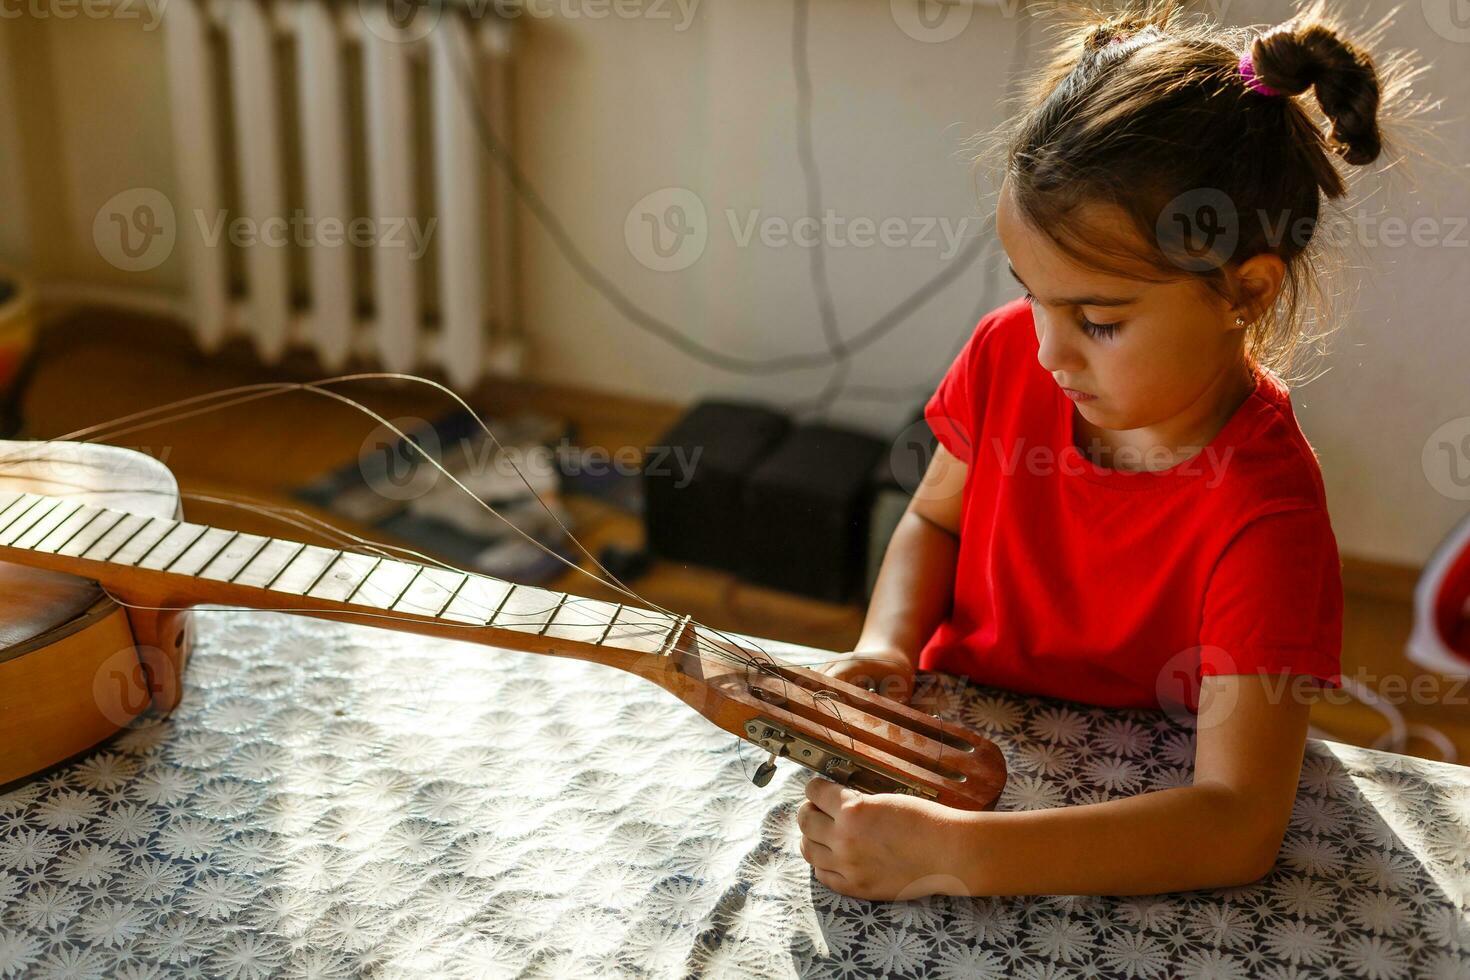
<point x="765" y="771"/>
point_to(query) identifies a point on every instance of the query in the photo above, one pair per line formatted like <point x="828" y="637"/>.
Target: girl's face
<point x="1130" y="353"/>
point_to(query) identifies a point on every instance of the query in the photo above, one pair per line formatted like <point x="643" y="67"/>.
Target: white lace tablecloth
<point x="334" y="801"/>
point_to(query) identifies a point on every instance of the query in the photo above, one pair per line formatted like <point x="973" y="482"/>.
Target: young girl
<point x="1122" y="496"/>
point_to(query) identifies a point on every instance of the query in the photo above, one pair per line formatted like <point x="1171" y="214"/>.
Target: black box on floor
<point x="806" y="512"/>
<point x="693" y="480"/>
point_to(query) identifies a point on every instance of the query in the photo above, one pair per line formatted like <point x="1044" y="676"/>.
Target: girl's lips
<point x="1077" y="396"/>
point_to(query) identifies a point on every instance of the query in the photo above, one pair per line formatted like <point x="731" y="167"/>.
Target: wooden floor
<point x="98" y="368"/>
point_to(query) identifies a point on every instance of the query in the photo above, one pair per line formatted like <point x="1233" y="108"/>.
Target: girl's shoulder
<point x="1270" y="461"/>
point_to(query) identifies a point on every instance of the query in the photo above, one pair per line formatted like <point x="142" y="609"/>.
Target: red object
<point x="1441" y="636"/>
<point x="1120" y="588"/>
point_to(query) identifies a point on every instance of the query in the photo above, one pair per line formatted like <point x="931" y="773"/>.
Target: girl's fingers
<point x="819" y="856"/>
<point x="831" y="879"/>
<point x="815" y="825"/>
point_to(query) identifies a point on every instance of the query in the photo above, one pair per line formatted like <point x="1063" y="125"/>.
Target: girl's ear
<point x="1258" y="282"/>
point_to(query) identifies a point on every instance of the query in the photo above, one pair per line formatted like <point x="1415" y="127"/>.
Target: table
<point x="335" y="801"/>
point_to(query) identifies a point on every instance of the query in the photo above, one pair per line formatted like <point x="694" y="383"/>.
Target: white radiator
<point x="327" y="117"/>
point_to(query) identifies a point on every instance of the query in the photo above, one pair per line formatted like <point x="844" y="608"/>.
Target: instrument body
<point x="75" y="666"/>
<point x="164" y="564"/>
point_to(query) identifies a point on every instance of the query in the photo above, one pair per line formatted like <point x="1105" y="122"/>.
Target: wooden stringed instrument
<point x="98" y="570"/>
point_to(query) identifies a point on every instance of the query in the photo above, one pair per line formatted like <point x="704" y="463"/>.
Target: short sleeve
<point x="1274" y="600"/>
<point x="952" y="411"/>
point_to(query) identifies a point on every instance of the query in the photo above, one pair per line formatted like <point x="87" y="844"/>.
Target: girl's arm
<point x="1225" y="829"/>
<point x="915" y="583"/>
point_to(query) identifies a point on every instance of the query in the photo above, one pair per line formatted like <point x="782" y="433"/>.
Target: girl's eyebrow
<point x="1078" y="300"/>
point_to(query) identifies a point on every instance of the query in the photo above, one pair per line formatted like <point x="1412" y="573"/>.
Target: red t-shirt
<point x="1116" y="587"/>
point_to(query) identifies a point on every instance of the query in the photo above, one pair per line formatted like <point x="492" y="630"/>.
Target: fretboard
<point x="114" y="541"/>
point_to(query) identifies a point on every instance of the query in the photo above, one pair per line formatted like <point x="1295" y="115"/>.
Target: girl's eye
<point x="1097" y="331"/>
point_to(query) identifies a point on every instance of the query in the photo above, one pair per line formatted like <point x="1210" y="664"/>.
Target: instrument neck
<point x="155" y="562"/>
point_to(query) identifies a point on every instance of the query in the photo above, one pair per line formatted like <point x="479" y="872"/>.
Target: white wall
<point x="611" y="110"/>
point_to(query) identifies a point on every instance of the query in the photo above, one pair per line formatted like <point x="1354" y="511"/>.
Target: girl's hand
<point x="889" y="672"/>
<point x="886" y="846"/>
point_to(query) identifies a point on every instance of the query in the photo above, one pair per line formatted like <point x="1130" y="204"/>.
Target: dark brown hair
<point x="1150" y="113"/>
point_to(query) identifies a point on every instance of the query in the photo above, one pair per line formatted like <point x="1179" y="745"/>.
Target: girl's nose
<point x="1054" y="351"/>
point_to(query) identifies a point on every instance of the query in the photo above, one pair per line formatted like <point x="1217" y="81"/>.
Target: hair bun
<point x="1299" y="56"/>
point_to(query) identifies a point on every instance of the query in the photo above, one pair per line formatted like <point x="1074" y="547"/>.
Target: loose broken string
<point x="707" y="640"/>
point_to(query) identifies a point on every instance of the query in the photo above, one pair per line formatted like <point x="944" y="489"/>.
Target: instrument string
<point x="751" y="658"/>
<point x="298" y="518"/>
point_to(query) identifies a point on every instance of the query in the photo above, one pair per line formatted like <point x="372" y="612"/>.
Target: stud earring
<point x="1240" y="321"/>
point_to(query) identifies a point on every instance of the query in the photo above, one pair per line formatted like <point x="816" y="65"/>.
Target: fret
<point x="587" y="620"/>
<point x="171" y="547"/>
<point x="116" y="537"/>
<point x="323" y="573"/>
<point x="455" y="594"/>
<point x="235" y="558"/>
<point x="417" y="573"/>
<point x="526" y="609"/>
<point x="141" y="543"/>
<point x="26" y="520"/>
<point x="641" y="630"/>
<point x="386" y="584"/>
<point x="261" y="571"/>
<point x="377" y="560"/>
<point x="68" y="528"/>
<point x="601" y="637"/>
<point x="38" y="531"/>
<point x="203" y="551"/>
<point x="431" y="592"/>
<point x="92" y="533"/>
<point x="303" y="570"/>
<point x="344" y="577"/>
<point x="554" y="609"/>
<point x="16" y="508"/>
<point x="479" y="599"/>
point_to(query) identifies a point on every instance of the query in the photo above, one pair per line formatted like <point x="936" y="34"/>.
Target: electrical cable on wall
<point x="650" y="323"/>
<point x="978" y="247"/>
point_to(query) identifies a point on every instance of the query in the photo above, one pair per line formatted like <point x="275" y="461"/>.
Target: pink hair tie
<point x="1248" y="72"/>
